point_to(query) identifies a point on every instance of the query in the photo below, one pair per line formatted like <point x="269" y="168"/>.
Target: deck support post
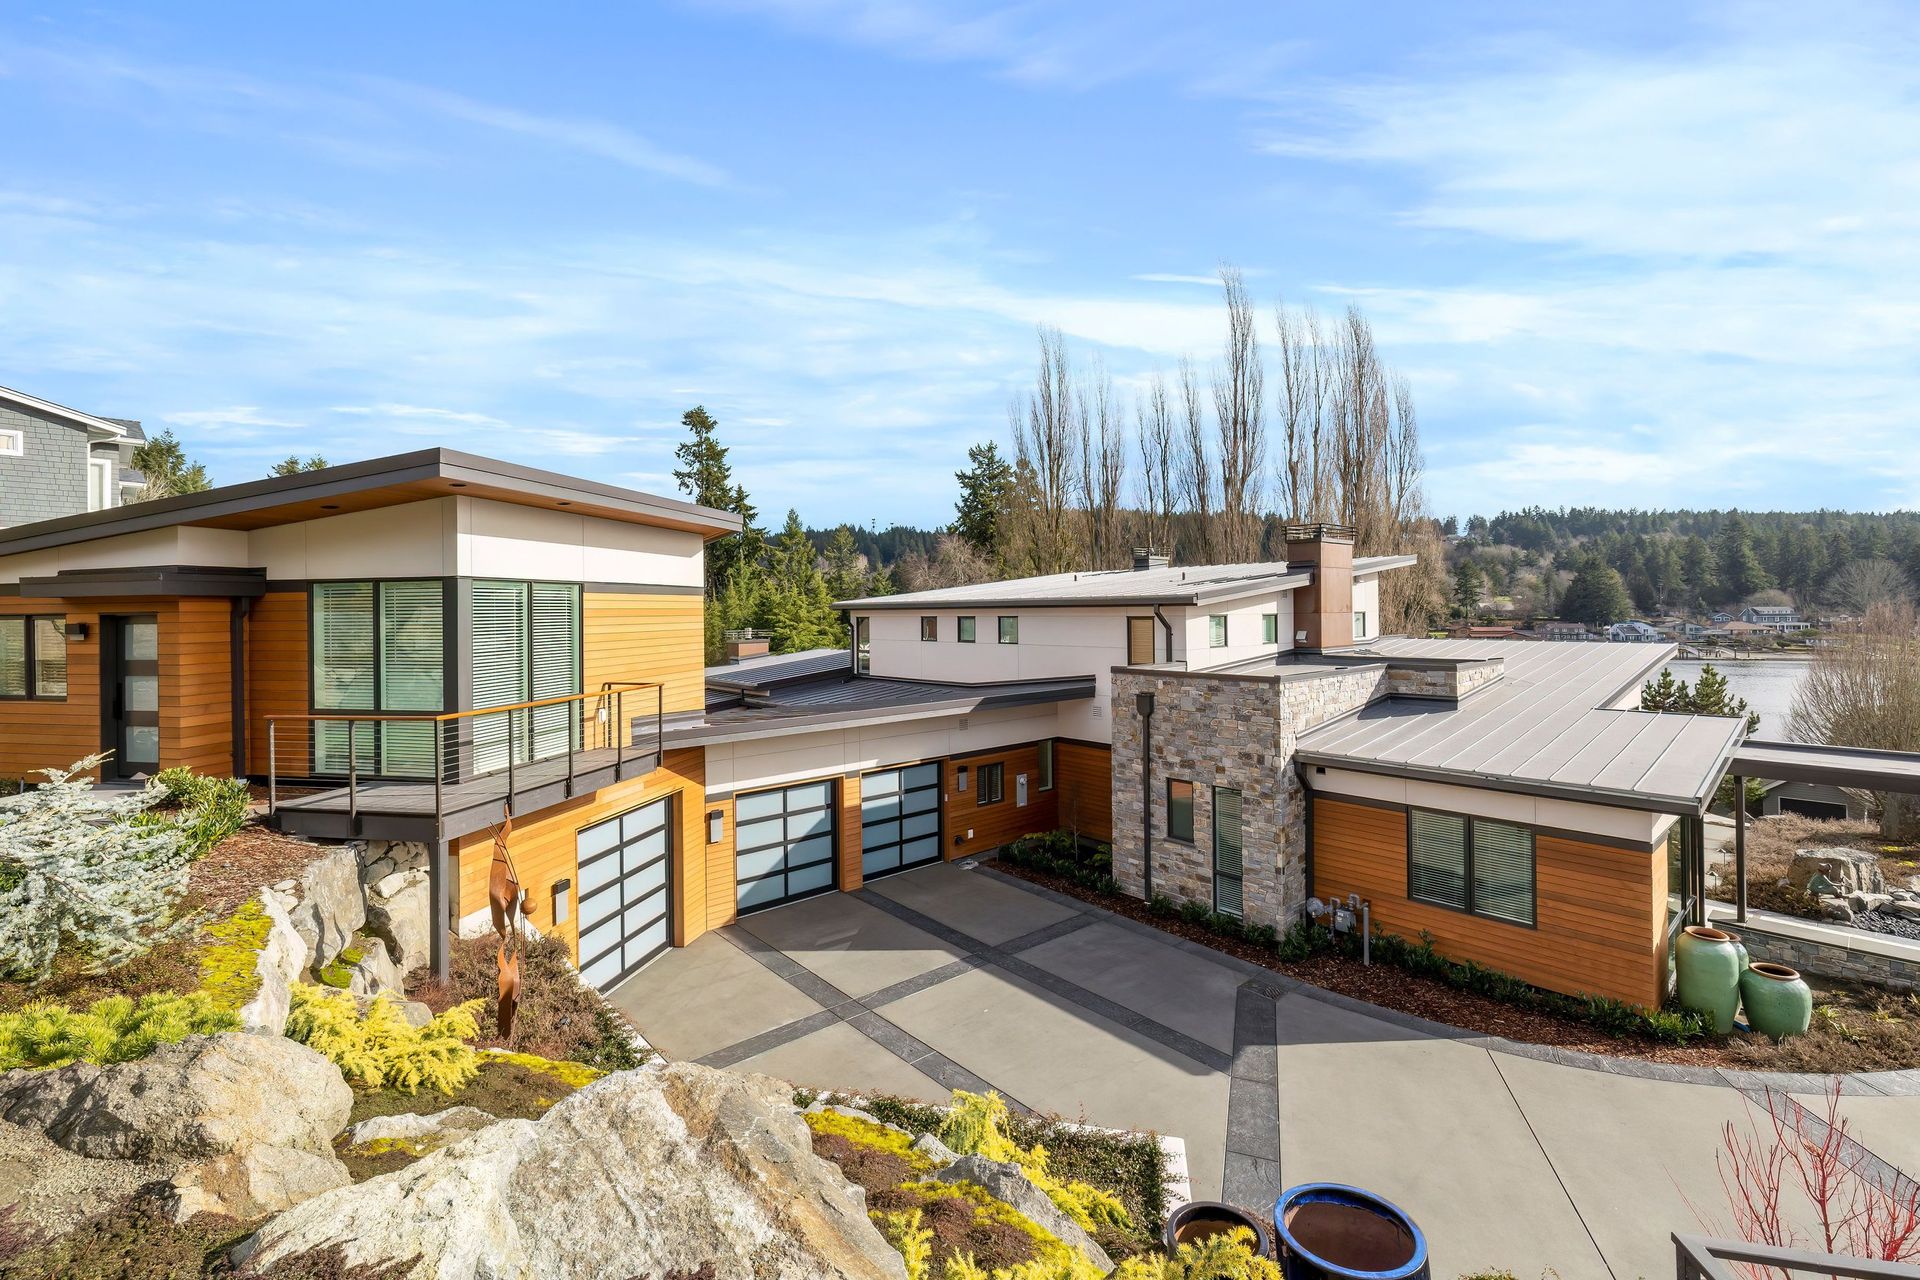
<point x="440" y="883"/>
<point x="1740" y="849"/>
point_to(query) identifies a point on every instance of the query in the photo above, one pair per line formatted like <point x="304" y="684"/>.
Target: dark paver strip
<point x="741" y="1050"/>
<point x="1876" y="1169"/>
<point x="1252" y="1173"/>
<point x="810" y="984"/>
<point x="915" y="985"/>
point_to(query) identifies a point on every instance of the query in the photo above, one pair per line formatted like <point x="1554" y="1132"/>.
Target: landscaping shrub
<point x="77" y="873"/>
<point x="379" y="1049"/>
<point x="1057" y="853"/>
<point x="229" y="960"/>
<point x="131" y="1240"/>
<point x="206" y="810"/>
<point x="115" y="1029"/>
<point x="558" y="1015"/>
<point x="976" y="1125"/>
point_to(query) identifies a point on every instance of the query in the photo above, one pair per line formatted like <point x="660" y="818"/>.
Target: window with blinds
<point x="553" y="664"/>
<point x="412" y="671"/>
<point x="1471" y="864"/>
<point x="1227" y="861"/>
<point x="526" y="647"/>
<point x="345" y="677"/>
<point x="378" y="647"/>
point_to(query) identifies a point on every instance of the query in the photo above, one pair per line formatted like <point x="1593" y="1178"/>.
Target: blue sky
<point x="1656" y="255"/>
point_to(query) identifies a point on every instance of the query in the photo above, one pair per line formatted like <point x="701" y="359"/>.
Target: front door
<point x="131" y="708"/>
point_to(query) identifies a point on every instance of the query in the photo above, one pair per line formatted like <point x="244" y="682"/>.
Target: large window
<point x="1270" y="628"/>
<point x="992" y="783"/>
<point x="378" y="646"/>
<point x="1179" y="810"/>
<point x="1471" y="864"/>
<point x="33" y="657"/>
<point x="1217" y="630"/>
<point x="1010" y="630"/>
<point x="965" y="629"/>
<point x="1226" y="851"/>
<point x="862" y="645"/>
<point x="1045" y="768"/>
<point x="1360" y="624"/>
<point x="526" y="647"/>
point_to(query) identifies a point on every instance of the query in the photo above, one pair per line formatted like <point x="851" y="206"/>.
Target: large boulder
<point x="252" y="1182"/>
<point x="374" y="973"/>
<point x="1009" y="1183"/>
<point x="642" y="1173"/>
<point x="419" y="1134"/>
<point x="1849" y="870"/>
<point x="198" y="1097"/>
<point x="282" y="959"/>
<point x="400" y="912"/>
<point x="330" y="909"/>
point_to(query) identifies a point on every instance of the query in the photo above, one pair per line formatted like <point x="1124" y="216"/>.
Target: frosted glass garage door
<point x="622" y="891"/>
<point x="783" y="844"/>
<point x="899" y="819"/>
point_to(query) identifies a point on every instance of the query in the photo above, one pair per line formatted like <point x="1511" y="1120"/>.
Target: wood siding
<point x="1083" y="775"/>
<point x="1600" y="909"/>
<point x="38" y="734"/>
<point x="645" y="637"/>
<point x="196" y="688"/>
<point x="277" y="678"/>
<point x="995" y="824"/>
<point x="545" y="850"/>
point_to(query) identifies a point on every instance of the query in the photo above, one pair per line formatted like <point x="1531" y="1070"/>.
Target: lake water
<point x="1767" y="686"/>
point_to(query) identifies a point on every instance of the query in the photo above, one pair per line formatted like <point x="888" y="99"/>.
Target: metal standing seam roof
<point x="1543" y="728"/>
<point x="1171" y="584"/>
<point x="1862" y="767"/>
<point x="772" y="670"/>
<point x="814" y="705"/>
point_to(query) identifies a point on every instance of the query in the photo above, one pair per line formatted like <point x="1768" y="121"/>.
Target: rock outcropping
<point x="242" y="1124"/>
<point x="642" y="1173"/>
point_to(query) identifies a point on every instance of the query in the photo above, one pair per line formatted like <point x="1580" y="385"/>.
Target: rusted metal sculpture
<point x="506" y="897"/>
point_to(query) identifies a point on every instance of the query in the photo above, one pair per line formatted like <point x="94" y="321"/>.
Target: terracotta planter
<point x="1327" y="1231"/>
<point x="1777" y="999"/>
<point x="1708" y="961"/>
<point x="1202" y="1218"/>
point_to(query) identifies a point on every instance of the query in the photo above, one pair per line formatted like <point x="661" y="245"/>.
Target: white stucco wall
<point x="501" y="540"/>
<point x="414" y="539"/>
<point x="1245" y="629"/>
<point x="772" y="761"/>
<point x="1366" y="599"/>
<point x="223" y="548"/>
<point x="1502" y="806"/>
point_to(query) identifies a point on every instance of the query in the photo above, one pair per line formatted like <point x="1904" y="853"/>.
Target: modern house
<point x="1634" y="632"/>
<point x="1775" y="617"/>
<point x="400" y="649"/>
<point x="56" y="461"/>
<point x="1561" y="630"/>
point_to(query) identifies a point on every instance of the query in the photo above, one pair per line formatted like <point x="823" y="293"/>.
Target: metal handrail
<point x="576" y="721"/>
<point x="1703" y="1258"/>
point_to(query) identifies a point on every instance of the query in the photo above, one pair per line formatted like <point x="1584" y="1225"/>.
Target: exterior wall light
<point x="562" y="901"/>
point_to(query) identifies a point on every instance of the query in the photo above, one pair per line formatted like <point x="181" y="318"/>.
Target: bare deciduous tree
<point x="1155" y="415"/>
<point x="1195" y="466"/>
<point x="1046" y="453"/>
<point x="1302" y="409"/>
<point x="954" y="563"/>
<point x="1862" y="584"/>
<point x="1864" y="691"/>
<point x="1239" y="410"/>
<point x="1109" y="470"/>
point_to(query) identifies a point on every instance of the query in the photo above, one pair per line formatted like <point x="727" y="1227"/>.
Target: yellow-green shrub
<point x="907" y="1232"/>
<point x="576" y="1075"/>
<point x="976" y="1125"/>
<point x="115" y="1029"/>
<point x="1226" y="1256"/>
<point x="380" y="1049"/>
<point x="865" y="1133"/>
<point x="229" y="972"/>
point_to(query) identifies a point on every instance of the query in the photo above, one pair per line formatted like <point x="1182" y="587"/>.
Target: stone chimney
<point x="1323" y="609"/>
<point x="746" y="646"/>
<point x="1143" y="558"/>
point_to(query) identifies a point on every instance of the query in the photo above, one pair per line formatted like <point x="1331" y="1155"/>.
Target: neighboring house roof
<point x="1171" y="584"/>
<point x="1544" y="728"/>
<point x="113" y="428"/>
<point x="772" y="671"/>
<point x="364" y="486"/>
<point x="812" y="705"/>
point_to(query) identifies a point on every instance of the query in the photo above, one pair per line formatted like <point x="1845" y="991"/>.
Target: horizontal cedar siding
<point x="545" y="850"/>
<point x="37" y="735"/>
<point x="277" y="671"/>
<point x="1083" y="775"/>
<point x="1600" y="910"/>
<point x="996" y="824"/>
<point x="196" y="685"/>
<point x="645" y="637"/>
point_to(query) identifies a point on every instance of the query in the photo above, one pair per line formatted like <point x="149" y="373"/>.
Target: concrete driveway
<point x="958" y="977"/>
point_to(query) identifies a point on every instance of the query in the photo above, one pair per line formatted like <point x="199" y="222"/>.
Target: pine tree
<point x="846" y="574"/>
<point x="293" y="465"/>
<point x="705" y="476"/>
<point x="1664" y="694"/>
<point x="986" y="492"/>
<point x="1741" y="573"/>
<point x="1467" y="583"/>
<point x="167" y="469"/>
<point x="1596" y="596"/>
<point x="1712" y="697"/>
<point x="1697" y="571"/>
<point x="800" y="612"/>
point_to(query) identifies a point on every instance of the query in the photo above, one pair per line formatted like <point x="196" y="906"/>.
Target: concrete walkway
<point x="955" y="977"/>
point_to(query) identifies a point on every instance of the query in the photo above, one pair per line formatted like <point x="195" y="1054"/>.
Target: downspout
<point x="1168" y="628"/>
<point x="1143" y="702"/>
<point x="239" y="609"/>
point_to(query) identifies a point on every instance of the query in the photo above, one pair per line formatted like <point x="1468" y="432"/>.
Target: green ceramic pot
<point x="1708" y="961"/>
<point x="1777" y="999"/>
<point x="1740" y="950"/>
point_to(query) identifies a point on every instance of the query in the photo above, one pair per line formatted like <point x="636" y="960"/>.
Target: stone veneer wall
<point x="1449" y="682"/>
<point x="1828" y="960"/>
<point x="1216" y="730"/>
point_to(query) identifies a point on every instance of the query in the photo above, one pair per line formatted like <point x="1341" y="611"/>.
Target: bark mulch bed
<point x="236" y="868"/>
<point x="1855" y="1028"/>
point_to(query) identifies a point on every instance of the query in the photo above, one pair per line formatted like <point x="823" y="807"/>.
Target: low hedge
<point x="1057" y="853"/>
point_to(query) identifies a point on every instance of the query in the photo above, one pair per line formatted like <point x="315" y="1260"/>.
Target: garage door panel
<point x="900" y="828"/>
<point x="624" y="896"/>
<point x="784" y="843"/>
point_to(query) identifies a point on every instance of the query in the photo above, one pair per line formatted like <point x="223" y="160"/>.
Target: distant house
<point x="56" y="461"/>
<point x="1470" y="631"/>
<point x="1557" y="629"/>
<point x="1722" y="618"/>
<point x="1635" y="632"/>
<point x="1738" y="630"/>
<point x="1774" y="617"/>
<point x="1812" y="800"/>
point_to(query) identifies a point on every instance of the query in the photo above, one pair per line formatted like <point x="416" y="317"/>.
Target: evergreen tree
<point x="1596" y="596"/>
<point x="167" y="469"/>
<point x="800" y="613"/>
<point x="1712" y="697"/>
<point x="1740" y="570"/>
<point x="1467" y="583"/>
<point x="1664" y="694"/>
<point x="846" y="575"/>
<point x="986" y="491"/>
<point x="705" y="476"/>
<point x="293" y="465"/>
<point x="1697" y="572"/>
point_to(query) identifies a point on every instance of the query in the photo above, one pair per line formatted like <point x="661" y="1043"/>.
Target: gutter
<point x="1168" y="628"/>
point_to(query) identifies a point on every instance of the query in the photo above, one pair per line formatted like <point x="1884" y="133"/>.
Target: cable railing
<point x="1702" y="1258"/>
<point x="419" y="763"/>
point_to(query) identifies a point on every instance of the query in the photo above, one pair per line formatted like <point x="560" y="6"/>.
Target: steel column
<point x="1740" y="849"/>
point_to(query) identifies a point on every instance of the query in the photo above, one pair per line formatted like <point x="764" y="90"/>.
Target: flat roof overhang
<point x="1615" y="798"/>
<point x="170" y="580"/>
<point x="1863" y="768"/>
<point x="771" y="722"/>
<point x="367" y="486"/>
<point x="1139" y="600"/>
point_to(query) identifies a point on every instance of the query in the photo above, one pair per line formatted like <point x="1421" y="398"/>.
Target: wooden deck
<point x="395" y="810"/>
